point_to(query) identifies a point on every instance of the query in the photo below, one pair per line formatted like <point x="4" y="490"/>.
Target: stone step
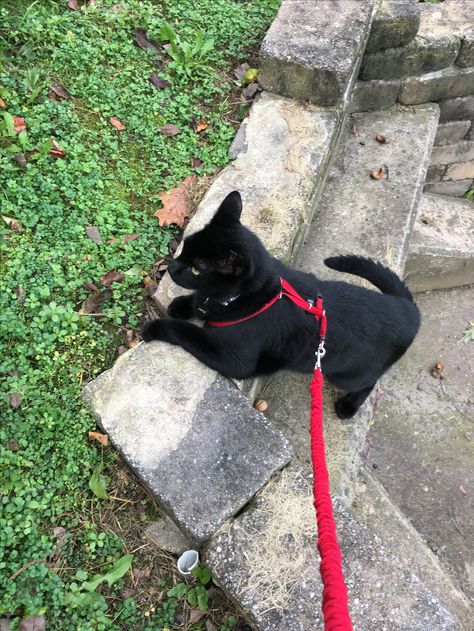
<point x="441" y="252"/>
<point x="422" y="440"/>
<point x="267" y="562"/>
<point x="192" y="437"/>
<point x="395" y="24"/>
<point x="312" y="50"/>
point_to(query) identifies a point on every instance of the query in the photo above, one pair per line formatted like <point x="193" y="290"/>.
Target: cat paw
<point x="151" y="330"/>
<point x="344" y="409"/>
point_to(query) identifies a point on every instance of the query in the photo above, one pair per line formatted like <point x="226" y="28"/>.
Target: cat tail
<point x="382" y="277"/>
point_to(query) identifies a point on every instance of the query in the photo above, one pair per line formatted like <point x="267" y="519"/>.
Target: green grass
<point x="107" y="179"/>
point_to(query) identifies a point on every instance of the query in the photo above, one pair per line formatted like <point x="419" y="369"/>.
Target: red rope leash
<point x="335" y="602"/>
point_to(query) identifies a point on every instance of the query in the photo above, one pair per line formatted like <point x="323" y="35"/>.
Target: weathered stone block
<point x="441" y="251"/>
<point x="455" y="188"/>
<point x="395" y="24"/>
<point x="436" y="85"/>
<point x="435" y="172"/>
<point x="195" y="441"/>
<point x="459" y="108"/>
<point x="311" y="52"/>
<point x="368" y="96"/>
<point x="465" y="58"/>
<point x="166" y="535"/>
<point x="462" y="151"/>
<point x="471" y="131"/>
<point x="458" y="16"/>
<point x="461" y="171"/>
<point x="449" y="133"/>
<point x="366" y="216"/>
<point x="420" y="56"/>
<point x="286" y="148"/>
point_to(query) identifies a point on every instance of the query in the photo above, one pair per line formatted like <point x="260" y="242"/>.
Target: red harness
<point x="335" y="603"/>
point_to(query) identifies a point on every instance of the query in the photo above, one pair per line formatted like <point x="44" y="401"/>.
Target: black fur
<point x="367" y="331"/>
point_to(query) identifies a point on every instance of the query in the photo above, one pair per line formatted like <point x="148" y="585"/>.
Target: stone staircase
<point x="237" y="483"/>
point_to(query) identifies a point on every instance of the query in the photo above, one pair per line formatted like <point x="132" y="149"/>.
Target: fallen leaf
<point x="60" y="91"/>
<point x="176" y="203"/>
<point x="19" y="124"/>
<point x="144" y="573"/>
<point x="240" y="71"/>
<point x="354" y="130"/>
<point x="132" y="338"/>
<point x="170" y="130"/>
<point x="196" y="163"/>
<point x="381" y="139"/>
<point x="15" y="399"/>
<point x="57" y="151"/>
<point x="159" y="84"/>
<point x="103" y="439"/>
<point x="73" y="5"/>
<point x="201" y="125"/>
<point x="20" y="158"/>
<point x="91" y="287"/>
<point x="261" y="405"/>
<point x="130" y="237"/>
<point x="376" y="175"/>
<point x="119" y="126"/>
<point x="20" y="295"/>
<point x="437" y="371"/>
<point x="121" y="350"/>
<point x="13" y="445"/>
<point x="2" y="103"/>
<point x="147" y="281"/>
<point x="195" y="615"/>
<point x="462" y="489"/>
<point x="141" y="38"/>
<point x="250" y="75"/>
<point x="127" y="592"/>
<point x="91" y="304"/>
<point x="251" y="90"/>
<point x="111" y="277"/>
<point x="33" y="623"/>
<point x="12" y="223"/>
<point x="94" y="234"/>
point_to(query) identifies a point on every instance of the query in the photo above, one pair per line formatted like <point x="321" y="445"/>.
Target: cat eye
<point x="195" y="271"/>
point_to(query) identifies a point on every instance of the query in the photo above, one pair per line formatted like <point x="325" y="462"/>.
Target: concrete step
<point x="192" y="437"/>
<point x="441" y="252"/>
<point x="312" y="50"/>
<point x="422" y="440"/>
<point x="267" y="561"/>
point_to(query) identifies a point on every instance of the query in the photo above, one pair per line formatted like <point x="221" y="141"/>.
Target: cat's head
<point x="220" y="259"/>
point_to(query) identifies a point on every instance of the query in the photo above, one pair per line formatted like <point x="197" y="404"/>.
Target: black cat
<point x="233" y="276"/>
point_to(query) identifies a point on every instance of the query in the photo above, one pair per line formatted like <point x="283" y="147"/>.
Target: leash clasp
<point x="320" y="354"/>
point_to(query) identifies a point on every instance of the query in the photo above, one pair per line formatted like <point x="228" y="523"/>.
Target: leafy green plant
<point x="185" y="55"/>
<point x="195" y="594"/>
<point x="468" y="334"/>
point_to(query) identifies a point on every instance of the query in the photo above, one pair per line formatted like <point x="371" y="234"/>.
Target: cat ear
<point x="231" y="264"/>
<point x="230" y="209"/>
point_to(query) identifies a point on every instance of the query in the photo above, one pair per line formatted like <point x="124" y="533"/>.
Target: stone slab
<point x="459" y="15"/>
<point x="311" y="51"/>
<point x="196" y="442"/>
<point x="395" y="24"/>
<point x="459" y="108"/>
<point x="462" y="151"/>
<point x="368" y="96"/>
<point x="441" y="252"/>
<point x="449" y="133"/>
<point x="267" y="562"/>
<point x="437" y="85"/>
<point x="422" y="441"/>
<point x="360" y="215"/>
<point x="471" y="132"/>
<point x="454" y="188"/>
<point x="167" y="536"/>
<point x="285" y="146"/>
<point x="460" y="171"/>
<point x="435" y="173"/>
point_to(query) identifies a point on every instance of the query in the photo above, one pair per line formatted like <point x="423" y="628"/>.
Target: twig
<point x="25" y="567"/>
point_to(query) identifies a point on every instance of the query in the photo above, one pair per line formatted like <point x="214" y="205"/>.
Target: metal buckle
<point x="320" y="353"/>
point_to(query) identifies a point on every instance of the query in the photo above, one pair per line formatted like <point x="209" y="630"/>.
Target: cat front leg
<point x="220" y="355"/>
<point x="182" y="307"/>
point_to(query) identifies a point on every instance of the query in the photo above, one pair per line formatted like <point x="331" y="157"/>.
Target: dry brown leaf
<point x="91" y="304"/>
<point x="147" y="281"/>
<point x="12" y="223"/>
<point x="437" y="371"/>
<point x="381" y="139"/>
<point x="170" y="130"/>
<point x="195" y="615"/>
<point x="376" y="175"/>
<point x="159" y="84"/>
<point x="111" y="277"/>
<point x="143" y="573"/>
<point x="103" y="439"/>
<point x="196" y="163"/>
<point x="20" y="158"/>
<point x="462" y="489"/>
<point x="91" y="287"/>
<point x="130" y="237"/>
<point x="2" y="103"/>
<point x="201" y="125"/>
<point x="176" y="203"/>
<point x="260" y="405"/>
<point x="93" y="233"/>
<point x="15" y="399"/>
<point x="57" y="151"/>
<point x="19" y="124"/>
<point x="119" y="126"/>
<point x="121" y="350"/>
<point x="132" y="338"/>
<point x="73" y="5"/>
<point x="141" y="38"/>
<point x="60" y="91"/>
